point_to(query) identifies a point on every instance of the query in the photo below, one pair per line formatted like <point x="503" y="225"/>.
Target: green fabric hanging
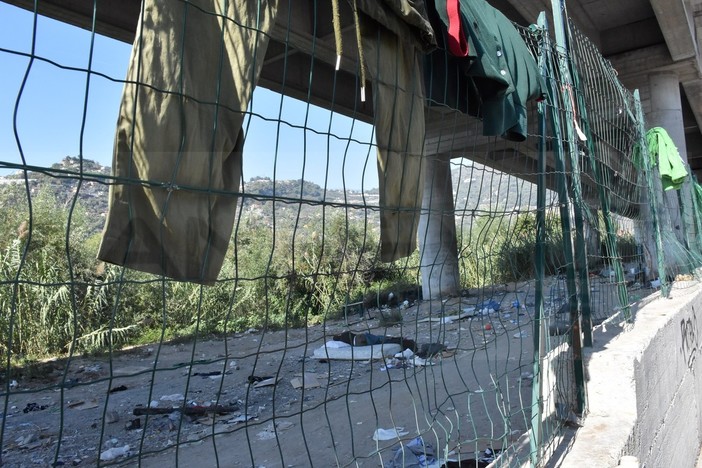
<point x="663" y="153"/>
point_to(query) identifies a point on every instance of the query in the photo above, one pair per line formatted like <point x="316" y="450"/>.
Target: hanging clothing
<point x="664" y="153"/>
<point x="482" y="68"/>
<point x="398" y="108"/>
<point x="177" y="153"/>
<point x="178" y="147"/>
<point x="395" y="35"/>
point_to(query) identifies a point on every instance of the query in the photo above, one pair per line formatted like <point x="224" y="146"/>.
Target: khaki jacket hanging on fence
<point x="177" y="156"/>
<point x="177" y="152"/>
<point x="395" y="35"/>
<point x="398" y="108"/>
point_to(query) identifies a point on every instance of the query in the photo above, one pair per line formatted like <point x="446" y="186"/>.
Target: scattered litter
<point x="402" y="363"/>
<point x="406" y="354"/>
<point x="188" y="410"/>
<point x="389" y="434"/>
<point x="404" y="360"/>
<point x="490" y="304"/>
<point x="95" y="368"/>
<point x="13" y="384"/>
<point x="489" y="455"/>
<point x="264" y="382"/>
<point x="413" y="454"/>
<point x="87" y="405"/>
<point x="270" y="430"/>
<point x="234" y="365"/>
<point x="521" y="334"/>
<point x="114" y="453"/>
<point x="208" y="374"/>
<point x="173" y="397"/>
<point x="488" y="326"/>
<point x="69" y="383"/>
<point x="428" y="350"/>
<point x="31" y="407"/>
<point x="133" y="424"/>
<point x="242" y="418"/>
<point x="120" y="388"/>
<point x="250" y="331"/>
<point x="468" y="312"/>
<point x="310" y="381"/>
<point x="472" y="462"/>
<point x="29" y="441"/>
<point x="256" y="378"/>
<point x="111" y="417"/>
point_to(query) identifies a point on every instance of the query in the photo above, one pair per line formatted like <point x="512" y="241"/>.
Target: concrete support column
<point x="666" y="112"/>
<point x="666" y="107"/>
<point x="437" y="231"/>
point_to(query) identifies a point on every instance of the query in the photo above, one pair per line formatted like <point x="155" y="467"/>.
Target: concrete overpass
<point x="653" y="45"/>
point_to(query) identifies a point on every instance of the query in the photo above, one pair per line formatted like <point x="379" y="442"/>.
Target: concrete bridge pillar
<point x="437" y="231"/>
<point x="666" y="112"/>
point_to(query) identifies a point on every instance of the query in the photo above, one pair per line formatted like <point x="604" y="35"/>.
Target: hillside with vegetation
<point x="298" y="253"/>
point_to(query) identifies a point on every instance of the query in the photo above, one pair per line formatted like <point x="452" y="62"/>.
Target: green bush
<point x="500" y="248"/>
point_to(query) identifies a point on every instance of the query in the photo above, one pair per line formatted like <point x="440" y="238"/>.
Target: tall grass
<point x="57" y="297"/>
<point x="499" y="248"/>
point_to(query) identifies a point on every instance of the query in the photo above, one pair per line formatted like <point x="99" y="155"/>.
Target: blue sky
<point x="50" y="111"/>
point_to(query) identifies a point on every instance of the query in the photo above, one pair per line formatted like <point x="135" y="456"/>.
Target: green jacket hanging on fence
<point x="482" y="68"/>
<point x="664" y="153"/>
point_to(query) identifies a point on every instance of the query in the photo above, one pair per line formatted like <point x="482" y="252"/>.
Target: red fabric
<point x="456" y="38"/>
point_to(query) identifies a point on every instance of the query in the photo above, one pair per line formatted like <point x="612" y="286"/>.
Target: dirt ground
<point x="476" y="394"/>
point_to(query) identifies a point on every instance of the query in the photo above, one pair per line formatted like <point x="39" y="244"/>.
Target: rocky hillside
<point x="477" y="190"/>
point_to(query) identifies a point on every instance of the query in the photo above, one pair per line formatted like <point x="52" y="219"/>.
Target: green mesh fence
<point x="315" y="344"/>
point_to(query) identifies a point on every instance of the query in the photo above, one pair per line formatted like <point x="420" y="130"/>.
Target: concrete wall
<point x="645" y="387"/>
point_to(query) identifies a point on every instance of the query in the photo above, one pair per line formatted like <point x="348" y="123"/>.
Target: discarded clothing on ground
<point x="482" y="68"/>
<point x="414" y="454"/>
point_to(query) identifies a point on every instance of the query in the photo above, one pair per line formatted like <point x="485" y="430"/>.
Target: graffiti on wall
<point x="689" y="335"/>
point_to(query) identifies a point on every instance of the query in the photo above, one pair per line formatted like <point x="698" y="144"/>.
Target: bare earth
<point x="466" y="399"/>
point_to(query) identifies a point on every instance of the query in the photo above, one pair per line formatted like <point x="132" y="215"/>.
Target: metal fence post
<point x="646" y="166"/>
<point x="581" y="258"/>
<point x="540" y="260"/>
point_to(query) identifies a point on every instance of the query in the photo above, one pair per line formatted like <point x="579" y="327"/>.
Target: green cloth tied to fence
<point x="664" y="154"/>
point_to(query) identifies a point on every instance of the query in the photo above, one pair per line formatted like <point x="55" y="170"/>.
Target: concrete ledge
<point x="645" y="387"/>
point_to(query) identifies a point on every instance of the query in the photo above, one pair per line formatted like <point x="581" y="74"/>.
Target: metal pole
<point x="652" y="200"/>
<point x="566" y="90"/>
<point x="540" y="260"/>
